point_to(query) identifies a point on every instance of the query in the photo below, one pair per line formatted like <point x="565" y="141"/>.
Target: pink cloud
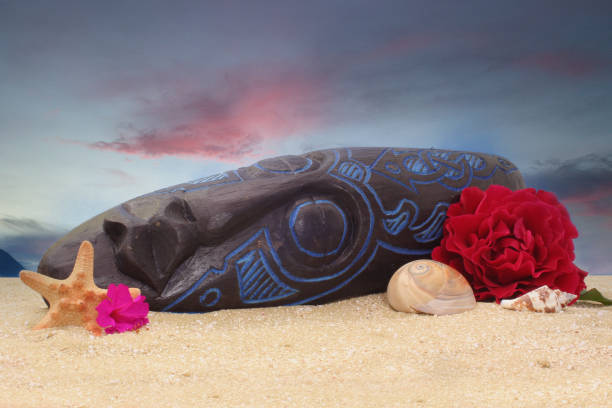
<point x="564" y="63"/>
<point x="188" y="141"/>
<point x="227" y="123"/>
<point x="596" y="203"/>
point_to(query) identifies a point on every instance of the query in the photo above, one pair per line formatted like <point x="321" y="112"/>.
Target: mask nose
<point x="150" y="249"/>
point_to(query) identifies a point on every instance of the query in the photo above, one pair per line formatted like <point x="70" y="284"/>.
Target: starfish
<point x="72" y="301"/>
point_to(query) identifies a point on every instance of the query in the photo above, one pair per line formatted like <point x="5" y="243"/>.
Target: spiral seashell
<point x="426" y="286"/>
<point x="542" y="299"/>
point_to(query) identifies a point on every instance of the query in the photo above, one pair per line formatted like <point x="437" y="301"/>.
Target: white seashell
<point x="565" y="298"/>
<point x="542" y="299"/>
<point x="426" y="286"/>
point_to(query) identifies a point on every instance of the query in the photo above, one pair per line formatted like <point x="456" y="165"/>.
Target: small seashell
<point x="565" y="298"/>
<point x="542" y="299"/>
<point x="426" y="286"/>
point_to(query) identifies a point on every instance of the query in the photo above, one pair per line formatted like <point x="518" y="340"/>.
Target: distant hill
<point x="9" y="267"/>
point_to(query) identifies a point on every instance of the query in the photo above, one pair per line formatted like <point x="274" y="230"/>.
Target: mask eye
<point x="318" y="227"/>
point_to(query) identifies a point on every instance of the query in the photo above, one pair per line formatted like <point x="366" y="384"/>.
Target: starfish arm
<point x="49" y="319"/>
<point x="42" y="284"/>
<point x="84" y="264"/>
<point x="134" y="292"/>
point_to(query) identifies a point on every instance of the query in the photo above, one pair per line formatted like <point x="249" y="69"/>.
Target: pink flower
<point x="119" y="312"/>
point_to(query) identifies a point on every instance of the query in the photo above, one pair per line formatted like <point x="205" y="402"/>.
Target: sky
<point x="103" y="101"/>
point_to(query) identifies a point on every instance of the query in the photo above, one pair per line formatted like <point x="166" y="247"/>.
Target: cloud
<point x="565" y="63"/>
<point x="10" y="225"/>
<point x="227" y="122"/>
<point x="27" y="239"/>
<point x="114" y="178"/>
<point x="585" y="175"/>
<point x="584" y="183"/>
<point x="121" y="176"/>
<point x="196" y="140"/>
<point x="595" y="203"/>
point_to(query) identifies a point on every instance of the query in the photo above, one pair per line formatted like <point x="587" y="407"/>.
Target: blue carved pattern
<point x="257" y="281"/>
<point x="308" y="163"/>
<point x="431" y="229"/>
<point x="395" y="221"/>
<point x="395" y="225"/>
<point x="351" y="170"/>
<point x="452" y="170"/>
<point x="213" y="177"/>
<point x="219" y="179"/>
<point x="210" y="297"/>
<point x="242" y="254"/>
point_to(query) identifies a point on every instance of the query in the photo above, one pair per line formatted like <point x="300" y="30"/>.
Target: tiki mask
<point x="289" y="230"/>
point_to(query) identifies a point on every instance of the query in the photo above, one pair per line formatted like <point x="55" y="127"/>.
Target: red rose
<point x="507" y="243"/>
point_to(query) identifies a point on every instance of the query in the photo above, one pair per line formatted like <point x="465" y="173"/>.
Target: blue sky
<point x="104" y="101"/>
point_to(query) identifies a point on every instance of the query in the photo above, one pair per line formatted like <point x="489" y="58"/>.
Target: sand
<point x="353" y="353"/>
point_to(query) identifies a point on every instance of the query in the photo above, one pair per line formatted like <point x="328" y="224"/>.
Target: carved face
<point x="288" y="230"/>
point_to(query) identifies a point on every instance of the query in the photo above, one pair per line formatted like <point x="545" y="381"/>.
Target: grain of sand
<point x="353" y="353"/>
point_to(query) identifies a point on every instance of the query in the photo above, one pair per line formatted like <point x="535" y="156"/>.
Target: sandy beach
<point x="352" y="353"/>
